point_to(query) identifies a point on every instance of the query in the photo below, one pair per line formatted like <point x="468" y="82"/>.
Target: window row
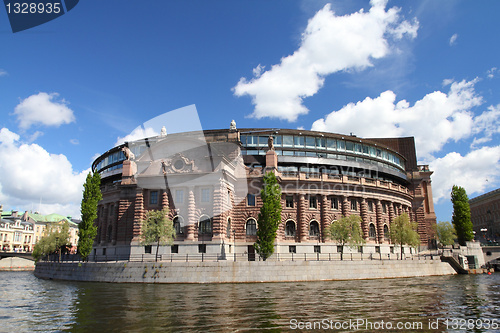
<point x="320" y="143"/>
<point x="180" y="196"/>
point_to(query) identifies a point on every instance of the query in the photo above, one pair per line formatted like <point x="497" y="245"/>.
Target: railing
<point x="215" y="257"/>
<point x="345" y="179"/>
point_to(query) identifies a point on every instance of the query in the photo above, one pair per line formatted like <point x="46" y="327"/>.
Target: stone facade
<point x="485" y="216"/>
<point x="211" y="182"/>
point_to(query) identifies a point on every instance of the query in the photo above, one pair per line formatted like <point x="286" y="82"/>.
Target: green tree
<point x="87" y="230"/>
<point x="54" y="240"/>
<point x="404" y="232"/>
<point x="346" y="231"/>
<point x="446" y="233"/>
<point x="461" y="215"/>
<point x="269" y="217"/>
<point x="157" y="228"/>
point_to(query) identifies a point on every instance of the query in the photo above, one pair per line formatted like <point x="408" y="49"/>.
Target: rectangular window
<point x="384" y="208"/>
<point x="331" y="144"/>
<point x="310" y="142"/>
<point x="335" y="203"/>
<point x="349" y="146"/>
<point x="289" y="201"/>
<point x="287" y="141"/>
<point x="292" y="249"/>
<point x="179" y="196"/>
<point x="202" y="248"/>
<point x="298" y="141"/>
<point x="153" y="200"/>
<point x="370" y="206"/>
<point x="354" y="204"/>
<point x="320" y="143"/>
<point x="313" y="202"/>
<point x="147" y="249"/>
<point x="250" y="199"/>
<point x="317" y="249"/>
<point x="174" y="249"/>
<point x="205" y="195"/>
<point x="340" y="145"/>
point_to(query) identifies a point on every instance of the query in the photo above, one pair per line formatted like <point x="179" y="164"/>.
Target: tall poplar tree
<point x="461" y="215"/>
<point x="269" y="216"/>
<point x="86" y="229"/>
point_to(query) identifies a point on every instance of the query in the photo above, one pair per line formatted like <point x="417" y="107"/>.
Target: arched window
<point x="178" y="224"/>
<point x="314" y="228"/>
<point x="290" y="228"/>
<point x="372" y="233"/>
<point x="251" y="227"/>
<point x="386" y="232"/>
<point x="205" y="225"/>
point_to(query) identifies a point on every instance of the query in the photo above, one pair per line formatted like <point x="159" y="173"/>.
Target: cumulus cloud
<point x="329" y="44"/>
<point x="474" y="171"/>
<point x="433" y="120"/>
<point x="486" y="124"/>
<point x="137" y="134"/>
<point x="30" y="174"/>
<point x="453" y="39"/>
<point x="43" y="109"/>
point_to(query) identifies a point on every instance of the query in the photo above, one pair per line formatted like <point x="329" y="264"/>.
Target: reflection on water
<point x="29" y="304"/>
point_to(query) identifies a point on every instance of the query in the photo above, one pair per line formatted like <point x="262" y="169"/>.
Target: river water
<point x="429" y="304"/>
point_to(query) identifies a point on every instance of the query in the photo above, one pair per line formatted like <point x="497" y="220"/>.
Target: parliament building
<point x="211" y="181"/>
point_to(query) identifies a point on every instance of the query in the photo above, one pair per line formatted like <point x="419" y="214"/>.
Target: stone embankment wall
<point x="230" y="272"/>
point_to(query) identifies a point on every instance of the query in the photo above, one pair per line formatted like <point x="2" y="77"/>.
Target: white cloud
<point x="3" y="72"/>
<point x="137" y="134"/>
<point x="329" y="44"/>
<point x="453" y="39"/>
<point x="475" y="172"/>
<point x="434" y="120"/>
<point x="30" y="174"/>
<point x="43" y="109"/>
<point x="488" y="124"/>
<point x="490" y="74"/>
<point x="74" y="141"/>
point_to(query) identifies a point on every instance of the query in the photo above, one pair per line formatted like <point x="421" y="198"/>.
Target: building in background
<point x="19" y="233"/>
<point x="211" y="182"/>
<point x="485" y="216"/>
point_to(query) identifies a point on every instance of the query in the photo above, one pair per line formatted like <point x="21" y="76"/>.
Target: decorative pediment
<point x="177" y="164"/>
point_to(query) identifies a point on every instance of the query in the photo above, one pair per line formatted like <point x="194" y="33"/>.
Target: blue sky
<point x="70" y="88"/>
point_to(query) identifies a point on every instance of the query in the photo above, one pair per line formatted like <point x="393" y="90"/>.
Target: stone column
<point x="303" y="225"/>
<point x="364" y="217"/>
<point x="125" y="220"/>
<point x="138" y="215"/>
<point x="346" y="207"/>
<point x="380" y="224"/>
<point x="324" y="216"/>
<point x="104" y="224"/>
<point x="164" y="201"/>
<point x="391" y="212"/>
<point x="219" y="209"/>
<point x="191" y="216"/>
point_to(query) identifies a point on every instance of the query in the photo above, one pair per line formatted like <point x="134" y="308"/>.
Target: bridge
<point x="23" y="255"/>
